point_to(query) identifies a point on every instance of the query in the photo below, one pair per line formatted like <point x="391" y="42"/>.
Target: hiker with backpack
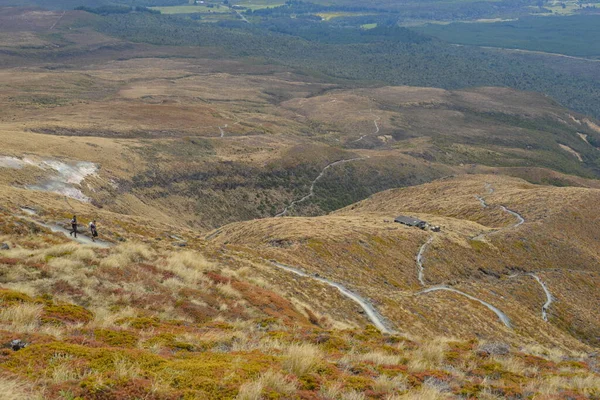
<point x="73" y="226"/>
<point x="93" y="230"/>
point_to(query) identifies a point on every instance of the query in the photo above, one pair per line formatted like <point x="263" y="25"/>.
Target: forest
<point x="388" y="55"/>
<point x="565" y="35"/>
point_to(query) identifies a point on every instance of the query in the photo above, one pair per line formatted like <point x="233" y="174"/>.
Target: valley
<point x="245" y="181"/>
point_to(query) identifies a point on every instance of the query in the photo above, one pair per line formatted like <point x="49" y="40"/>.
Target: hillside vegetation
<point x="219" y="320"/>
<point x="564" y="35"/>
<point x="244" y="175"/>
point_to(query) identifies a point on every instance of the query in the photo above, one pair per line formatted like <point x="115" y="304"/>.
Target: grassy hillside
<point x="362" y="248"/>
<point x="207" y="141"/>
<point x="219" y="320"/>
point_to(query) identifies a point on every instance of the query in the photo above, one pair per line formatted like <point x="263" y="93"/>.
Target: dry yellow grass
<point x="125" y="254"/>
<point x="125" y="368"/>
<point x="11" y="389"/>
<point x="188" y="266"/>
<point x="429" y="356"/>
<point x="353" y="395"/>
<point x="375" y="357"/>
<point x="332" y="391"/>
<point x="278" y="382"/>
<point x="250" y="391"/>
<point x="425" y="393"/>
<point x="61" y="370"/>
<point x="388" y="384"/>
<point x="228" y="291"/>
<point x="302" y="358"/>
<point x="23" y="318"/>
<point x="552" y="386"/>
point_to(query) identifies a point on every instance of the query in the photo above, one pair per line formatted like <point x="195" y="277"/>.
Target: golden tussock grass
<point x="23" y="317"/>
<point x="515" y="366"/>
<point x="11" y="389"/>
<point x="424" y="393"/>
<point x="125" y="254"/>
<point x="388" y="384"/>
<point x="64" y="265"/>
<point x="58" y="251"/>
<point x="188" y="266"/>
<point x="375" y="357"/>
<point x="265" y="345"/>
<point x="553" y="354"/>
<point x="333" y="391"/>
<point x="228" y="291"/>
<point x="554" y="385"/>
<point x="105" y="318"/>
<point x="250" y="391"/>
<point x="428" y="356"/>
<point x="302" y="358"/>
<point x="353" y="395"/>
<point x="125" y="369"/>
<point x="278" y="382"/>
<point x="61" y="370"/>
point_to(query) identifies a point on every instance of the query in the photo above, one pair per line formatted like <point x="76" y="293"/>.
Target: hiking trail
<point x="420" y="268"/>
<point x="549" y="298"/>
<point x="376" y="128"/>
<point x="503" y="317"/>
<point x="59" y="229"/>
<point x="520" y="218"/>
<point x="369" y="310"/>
<point x="311" y="191"/>
<point x="482" y="201"/>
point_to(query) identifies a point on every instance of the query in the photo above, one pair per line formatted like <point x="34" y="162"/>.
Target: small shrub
<point x="116" y="338"/>
<point x="66" y="313"/>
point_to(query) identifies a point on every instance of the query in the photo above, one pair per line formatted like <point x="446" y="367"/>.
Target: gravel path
<point x="369" y="310"/>
<point x="374" y="133"/>
<point x="420" y="268"/>
<point x="503" y="317"/>
<point x="311" y="192"/>
<point x="549" y="297"/>
<point x="57" y="228"/>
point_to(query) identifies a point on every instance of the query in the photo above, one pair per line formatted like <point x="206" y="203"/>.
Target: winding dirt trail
<point x="369" y="310"/>
<point x="311" y="191"/>
<point x="420" y="268"/>
<point x="369" y="134"/>
<point x="59" y="229"/>
<point x="482" y="201"/>
<point x="520" y="218"/>
<point x="58" y="20"/>
<point x="503" y="317"/>
<point x="549" y="297"/>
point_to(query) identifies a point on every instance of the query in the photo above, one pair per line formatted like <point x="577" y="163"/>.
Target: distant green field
<point x="258" y="5"/>
<point x="572" y="35"/>
<point x="330" y="15"/>
<point x="369" y="26"/>
<point x="192" y="9"/>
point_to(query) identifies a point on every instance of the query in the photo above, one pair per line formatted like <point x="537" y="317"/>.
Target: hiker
<point x="93" y="230"/>
<point x="74" y="226"/>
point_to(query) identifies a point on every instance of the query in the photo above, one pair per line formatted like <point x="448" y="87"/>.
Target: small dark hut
<point x="410" y="221"/>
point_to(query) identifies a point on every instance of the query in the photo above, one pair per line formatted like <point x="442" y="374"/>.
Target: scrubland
<point x="184" y="141"/>
<point x="142" y="321"/>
